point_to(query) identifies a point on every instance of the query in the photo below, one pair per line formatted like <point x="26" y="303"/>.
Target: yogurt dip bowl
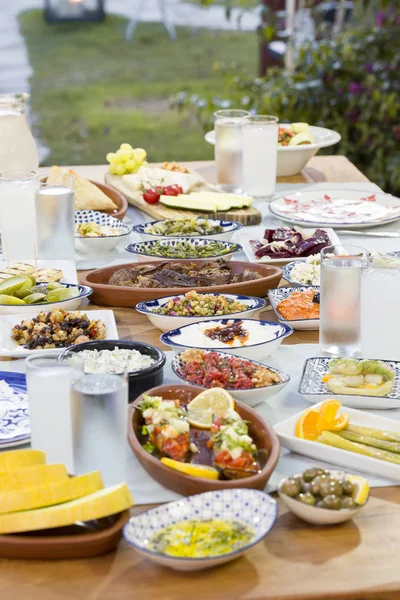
<point x="262" y="337"/>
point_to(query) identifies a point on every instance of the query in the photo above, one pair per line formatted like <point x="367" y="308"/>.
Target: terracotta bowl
<point x="75" y="541"/>
<point x="186" y="485"/>
<point x="115" y="295"/>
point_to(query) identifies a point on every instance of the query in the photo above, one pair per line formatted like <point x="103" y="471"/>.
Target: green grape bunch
<point x="126" y="160"/>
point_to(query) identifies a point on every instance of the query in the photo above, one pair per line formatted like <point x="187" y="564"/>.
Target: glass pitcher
<point x="18" y="149"/>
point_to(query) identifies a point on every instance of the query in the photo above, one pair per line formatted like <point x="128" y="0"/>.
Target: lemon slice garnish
<point x="203" y="471"/>
<point x="361" y="488"/>
<point x="209" y="404"/>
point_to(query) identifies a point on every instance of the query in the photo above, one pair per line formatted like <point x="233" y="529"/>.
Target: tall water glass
<point x="380" y="301"/>
<point x="339" y="332"/>
<point x="228" y="149"/>
<point x="55" y="210"/>
<point x="17" y="215"/>
<point x="100" y="423"/>
<point x="49" y="384"/>
<point x="260" y="152"/>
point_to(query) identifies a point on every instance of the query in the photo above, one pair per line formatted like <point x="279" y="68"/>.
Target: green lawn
<point x="91" y="90"/>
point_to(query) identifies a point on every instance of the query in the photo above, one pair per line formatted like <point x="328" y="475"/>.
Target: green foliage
<point x="350" y="84"/>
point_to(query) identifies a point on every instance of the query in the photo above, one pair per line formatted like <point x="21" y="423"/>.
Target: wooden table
<point x="356" y="560"/>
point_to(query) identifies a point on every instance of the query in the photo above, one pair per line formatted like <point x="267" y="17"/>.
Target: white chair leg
<point x="169" y="26"/>
<point x="133" y="23"/>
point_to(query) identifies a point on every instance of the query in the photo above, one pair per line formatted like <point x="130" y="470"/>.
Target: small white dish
<point x="292" y="159"/>
<point x="270" y="333"/>
<point x="69" y="304"/>
<point x="229" y="227"/>
<point x="144" y="253"/>
<point x="99" y="245"/>
<point x="316" y="515"/>
<point x="314" y="390"/>
<point x="10" y="348"/>
<point x="278" y="294"/>
<point x="286" y="431"/>
<point x="67" y="267"/>
<point x="252" y="396"/>
<point x="167" y="322"/>
<point x="287" y="274"/>
<point x="258" y="510"/>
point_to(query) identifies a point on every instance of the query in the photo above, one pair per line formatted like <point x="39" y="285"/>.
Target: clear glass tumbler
<point x="380" y="300"/>
<point x="260" y="152"/>
<point x="228" y="149"/>
<point x="17" y="215"/>
<point x="55" y="215"/>
<point x="49" y="384"/>
<point x="339" y="331"/>
<point x="100" y="425"/>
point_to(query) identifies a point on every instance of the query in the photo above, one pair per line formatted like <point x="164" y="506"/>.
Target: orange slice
<point x="340" y="423"/>
<point x="328" y="419"/>
<point x="307" y="425"/>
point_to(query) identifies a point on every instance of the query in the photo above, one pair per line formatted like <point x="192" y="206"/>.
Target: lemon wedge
<point x="209" y="404"/>
<point x="361" y="488"/>
<point x="203" y="471"/>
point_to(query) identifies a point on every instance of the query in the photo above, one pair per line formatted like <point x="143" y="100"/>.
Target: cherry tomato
<point x="173" y="190"/>
<point x="151" y="196"/>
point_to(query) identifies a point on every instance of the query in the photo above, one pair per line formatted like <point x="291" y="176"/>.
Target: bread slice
<point x="12" y="459"/>
<point x="94" y="506"/>
<point x="87" y="195"/>
<point x="27" y="477"/>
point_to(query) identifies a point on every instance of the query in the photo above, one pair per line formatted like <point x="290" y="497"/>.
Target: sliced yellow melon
<point x="27" y="477"/>
<point x="50" y="494"/>
<point x="94" y="506"/>
<point x="21" y="458"/>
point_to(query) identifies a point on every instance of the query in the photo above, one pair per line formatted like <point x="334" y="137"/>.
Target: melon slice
<point x="27" y="477"/>
<point x="50" y="494"/>
<point x="94" y="506"/>
<point x="21" y="458"/>
<point x="187" y="202"/>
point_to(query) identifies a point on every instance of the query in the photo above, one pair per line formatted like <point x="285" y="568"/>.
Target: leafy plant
<point x="349" y="84"/>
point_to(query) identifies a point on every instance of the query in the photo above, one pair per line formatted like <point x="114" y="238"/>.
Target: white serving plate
<point x="255" y="508"/>
<point x="229" y="228"/>
<point x="275" y="334"/>
<point x="292" y="159"/>
<point x="167" y="322"/>
<point x="244" y="239"/>
<point x="347" y="209"/>
<point x="286" y="431"/>
<point x="278" y="294"/>
<point x="8" y="347"/>
<point x="66" y="266"/>
<point x="314" y="390"/>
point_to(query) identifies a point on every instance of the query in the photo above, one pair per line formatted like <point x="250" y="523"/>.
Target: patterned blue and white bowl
<point x="287" y="273"/>
<point x="278" y="294"/>
<point x="144" y="250"/>
<point x="264" y="338"/>
<point x="69" y="304"/>
<point x="229" y="228"/>
<point x="99" y="245"/>
<point x="15" y="427"/>
<point x="254" y="508"/>
<point x="166" y="322"/>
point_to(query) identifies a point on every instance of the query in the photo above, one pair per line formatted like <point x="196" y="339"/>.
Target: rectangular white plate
<point x="244" y="240"/>
<point x="66" y="266"/>
<point x="286" y="431"/>
<point x="10" y="348"/>
<point x="276" y="295"/>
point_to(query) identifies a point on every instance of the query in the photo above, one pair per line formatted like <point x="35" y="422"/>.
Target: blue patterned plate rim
<point x="257" y="537"/>
<point x="298" y="288"/>
<point x="286" y="271"/>
<point x="136" y="248"/>
<point x="143" y="308"/>
<point x="231" y="226"/>
<point x="17" y="381"/>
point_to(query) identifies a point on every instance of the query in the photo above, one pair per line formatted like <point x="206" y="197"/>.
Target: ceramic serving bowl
<point x="287" y="274"/>
<point x="251" y="396"/>
<point x="262" y="433"/>
<point x="105" y="294"/>
<point x="229" y="228"/>
<point x="144" y="250"/>
<point x="69" y="304"/>
<point x="292" y="159"/>
<point x="267" y="336"/>
<point x="99" y="245"/>
<point x="315" y="514"/>
<point x="256" y="509"/>
<point x="167" y="322"/>
<point x="278" y="294"/>
<point x="139" y="381"/>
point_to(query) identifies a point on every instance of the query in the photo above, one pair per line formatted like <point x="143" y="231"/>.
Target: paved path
<point x="15" y="69"/>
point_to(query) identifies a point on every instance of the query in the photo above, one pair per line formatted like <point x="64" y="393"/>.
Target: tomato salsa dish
<point x="300" y="305"/>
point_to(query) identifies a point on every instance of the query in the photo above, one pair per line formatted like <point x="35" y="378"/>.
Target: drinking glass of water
<point x="100" y="425"/>
<point x="55" y="216"/>
<point x="228" y="149"/>
<point x="339" y="331"/>
<point x="49" y="383"/>
<point x="260" y="152"/>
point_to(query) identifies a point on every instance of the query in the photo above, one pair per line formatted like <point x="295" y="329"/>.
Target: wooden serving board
<point x="246" y="216"/>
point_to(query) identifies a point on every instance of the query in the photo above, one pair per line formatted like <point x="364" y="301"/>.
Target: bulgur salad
<point x="193" y="304"/>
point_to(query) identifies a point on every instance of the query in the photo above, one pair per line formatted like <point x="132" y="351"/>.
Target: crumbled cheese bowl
<point x="303" y="272"/>
<point x="142" y="363"/>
